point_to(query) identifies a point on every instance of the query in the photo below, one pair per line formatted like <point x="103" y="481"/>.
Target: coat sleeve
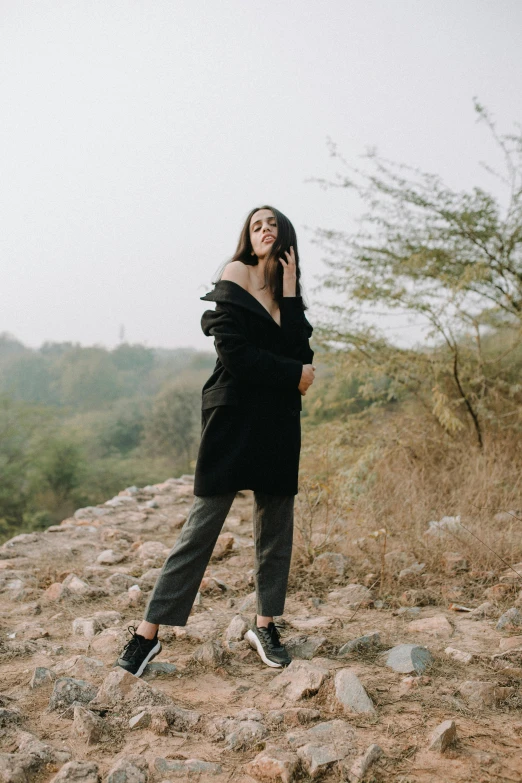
<point x="245" y="361"/>
<point x="296" y="329"/>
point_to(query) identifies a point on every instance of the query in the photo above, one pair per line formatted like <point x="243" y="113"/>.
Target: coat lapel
<point x="227" y="291"/>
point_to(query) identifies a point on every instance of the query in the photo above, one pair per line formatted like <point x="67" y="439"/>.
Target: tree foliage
<point x="453" y="260"/>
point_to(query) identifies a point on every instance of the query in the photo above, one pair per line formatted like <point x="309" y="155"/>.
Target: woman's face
<point x="263" y="232"/>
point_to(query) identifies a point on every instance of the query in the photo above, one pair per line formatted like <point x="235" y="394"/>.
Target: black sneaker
<point x="268" y="645"/>
<point x="138" y="652"/>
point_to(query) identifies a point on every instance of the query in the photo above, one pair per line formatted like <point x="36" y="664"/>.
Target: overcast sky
<point x="136" y="135"/>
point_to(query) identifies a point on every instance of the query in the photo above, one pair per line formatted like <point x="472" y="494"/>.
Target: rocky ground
<point x="395" y="689"/>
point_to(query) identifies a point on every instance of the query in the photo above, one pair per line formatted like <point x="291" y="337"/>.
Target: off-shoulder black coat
<point x="250" y="411"/>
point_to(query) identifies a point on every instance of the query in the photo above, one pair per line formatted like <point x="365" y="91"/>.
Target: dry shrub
<point x="398" y="470"/>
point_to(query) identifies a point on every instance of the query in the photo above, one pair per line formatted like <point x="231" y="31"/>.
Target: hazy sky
<point x="135" y="136"/>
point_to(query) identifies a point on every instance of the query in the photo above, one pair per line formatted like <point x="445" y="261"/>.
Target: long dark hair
<point x="286" y="237"/>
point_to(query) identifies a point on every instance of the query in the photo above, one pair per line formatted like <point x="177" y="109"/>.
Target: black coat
<point x="250" y="412"/>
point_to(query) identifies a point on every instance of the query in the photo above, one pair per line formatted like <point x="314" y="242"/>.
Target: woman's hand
<point x="307" y="378"/>
<point x="289" y="275"/>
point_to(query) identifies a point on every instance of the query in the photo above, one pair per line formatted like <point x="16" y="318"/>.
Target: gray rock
<point x="209" y="654"/>
<point x="237" y="628"/>
<point x="149" y="578"/>
<point x="123" y="689"/>
<point x="78" y="772"/>
<point x="411" y="574"/>
<point x="41" y="676"/>
<point x="91" y="512"/>
<point x="408" y="658"/>
<point x="484" y="611"/>
<point x="118" y="582"/>
<point x="87" y="726"/>
<point x="130" y="769"/>
<point x="362" y="764"/>
<point x="299" y="679"/>
<point x="187" y="767"/>
<point x="157" y="669"/>
<point x="274" y="763"/>
<point x="68" y="690"/>
<point x="316" y="759"/>
<point x="244" y="734"/>
<point x="305" y="647"/>
<point x="332" y="564"/>
<point x="443" y="736"/>
<point x="510" y="619"/>
<point x="141" y="720"/>
<point x="352" y="596"/>
<point x="249" y="603"/>
<point x="361" y="643"/>
<point x="110" y="557"/>
<point x="350" y="693"/>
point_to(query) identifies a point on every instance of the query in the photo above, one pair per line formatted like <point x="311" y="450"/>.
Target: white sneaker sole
<point x="152" y="654"/>
<point x="256" y="645"/>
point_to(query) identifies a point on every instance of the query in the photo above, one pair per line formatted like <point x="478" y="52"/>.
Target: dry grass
<point x="397" y="471"/>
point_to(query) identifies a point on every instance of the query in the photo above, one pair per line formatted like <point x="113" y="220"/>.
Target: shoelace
<point x="133" y="645"/>
<point x="272" y="633"/>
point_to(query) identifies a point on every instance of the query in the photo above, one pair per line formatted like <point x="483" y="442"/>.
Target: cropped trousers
<point x="179" y="580"/>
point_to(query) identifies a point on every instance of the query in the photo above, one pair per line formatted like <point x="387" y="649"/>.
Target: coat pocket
<point x="219" y="395"/>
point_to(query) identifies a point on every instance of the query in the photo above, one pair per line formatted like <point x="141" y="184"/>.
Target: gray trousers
<point x="183" y="570"/>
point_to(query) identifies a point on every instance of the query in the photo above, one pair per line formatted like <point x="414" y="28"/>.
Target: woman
<point x="251" y="435"/>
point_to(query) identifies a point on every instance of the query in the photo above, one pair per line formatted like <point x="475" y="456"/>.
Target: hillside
<point x="206" y="707"/>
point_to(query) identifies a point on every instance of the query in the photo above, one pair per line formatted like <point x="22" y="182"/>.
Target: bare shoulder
<point x="236" y="272"/>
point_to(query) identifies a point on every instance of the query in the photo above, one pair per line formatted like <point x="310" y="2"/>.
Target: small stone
<point x="292" y="716"/>
<point x="248" y="603"/>
<point x="123" y="688"/>
<point x="299" y="679"/>
<point x="362" y="764"/>
<point x="352" y="596"/>
<point x="130" y="769"/>
<point x="410" y="611"/>
<point x="84" y="626"/>
<point x="305" y="647"/>
<point x="209" y="654"/>
<point x="118" y="582"/>
<point x="223" y="546"/>
<point x="316" y="759"/>
<point x="87" y="726"/>
<point x="499" y="592"/>
<point x="67" y="690"/>
<point x="153" y="550"/>
<point x="244" y="734"/>
<point x="54" y="592"/>
<point x="484" y="694"/>
<point x="187" y="767"/>
<point x="149" y="578"/>
<point x="211" y="586"/>
<point x="443" y="736"/>
<point x="77" y="772"/>
<point x="275" y="764"/>
<point x="74" y="585"/>
<point x="351" y="694"/>
<point x="511" y="643"/>
<point x="459" y="655"/>
<point x="454" y="563"/>
<point x="484" y="611"/>
<point x="331" y="564"/>
<point x="110" y="557"/>
<point x="361" y="643"/>
<point x="140" y="721"/>
<point x="510" y="619"/>
<point x="411" y="574"/>
<point x="108" y="643"/>
<point x="41" y="676"/>
<point x="434" y="626"/>
<point x="407" y="658"/>
<point x="158" y="668"/>
<point x="396" y="561"/>
<point x="237" y="628"/>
